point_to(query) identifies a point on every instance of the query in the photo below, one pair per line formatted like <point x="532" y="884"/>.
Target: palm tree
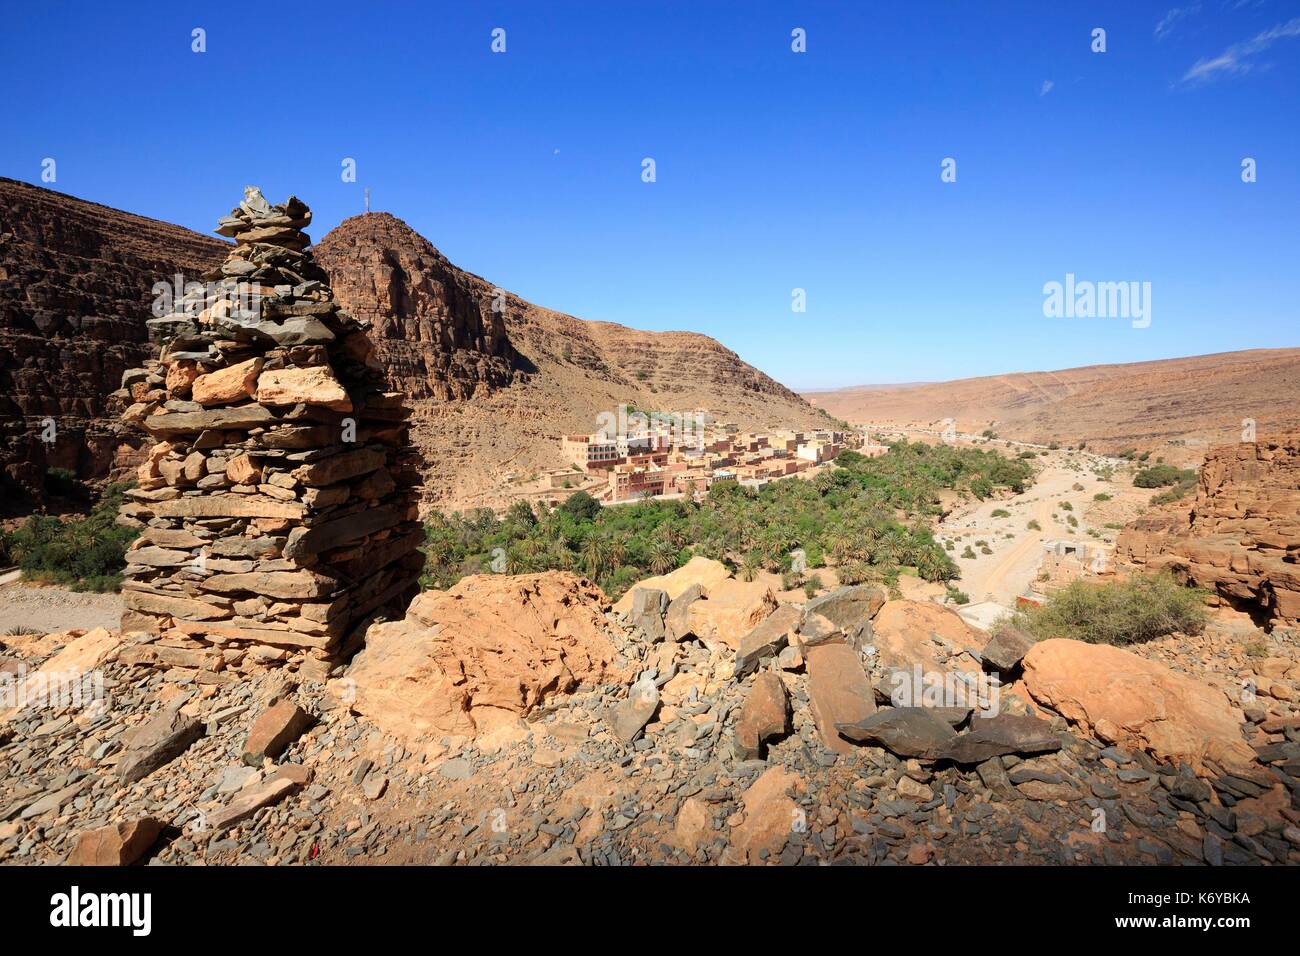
<point x="840" y="545"/>
<point x="595" y="553"/>
<point x="749" y="567"/>
<point x="663" y="556"/>
<point x="933" y="565"/>
<point x="560" y="556"/>
<point x="616" y="550"/>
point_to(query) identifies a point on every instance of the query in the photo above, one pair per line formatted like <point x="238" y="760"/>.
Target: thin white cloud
<point x="1170" y="19"/>
<point x="1236" y="58"/>
<point x="1046" y="88"/>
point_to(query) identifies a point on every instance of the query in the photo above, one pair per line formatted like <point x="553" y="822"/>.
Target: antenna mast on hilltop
<point x="367" y="199"/>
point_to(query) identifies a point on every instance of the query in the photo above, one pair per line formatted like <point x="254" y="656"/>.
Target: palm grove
<point x="869" y="517"/>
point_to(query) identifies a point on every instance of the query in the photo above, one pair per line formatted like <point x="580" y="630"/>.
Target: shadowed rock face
<point x="1241" y="536"/>
<point x="75" y="289"/>
<point x="434" y="328"/>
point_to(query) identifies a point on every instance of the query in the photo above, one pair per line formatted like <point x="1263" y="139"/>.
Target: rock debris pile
<point x="278" y="506"/>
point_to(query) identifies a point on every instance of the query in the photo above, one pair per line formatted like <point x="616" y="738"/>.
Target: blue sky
<point x="775" y="170"/>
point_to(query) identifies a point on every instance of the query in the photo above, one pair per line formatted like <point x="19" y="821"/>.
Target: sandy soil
<point x="51" y="609"/>
<point x="1017" y="549"/>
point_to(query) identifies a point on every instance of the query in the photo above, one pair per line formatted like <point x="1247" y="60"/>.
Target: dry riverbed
<point x="27" y="608"/>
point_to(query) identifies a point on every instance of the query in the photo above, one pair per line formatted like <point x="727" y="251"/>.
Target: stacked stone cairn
<point x="278" y="506"/>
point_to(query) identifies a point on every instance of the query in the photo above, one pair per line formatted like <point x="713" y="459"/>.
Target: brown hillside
<point x="550" y="374"/>
<point x="1143" y="405"/>
<point x="493" y="389"/>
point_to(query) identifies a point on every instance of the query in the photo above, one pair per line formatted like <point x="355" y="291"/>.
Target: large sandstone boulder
<point x="765" y="714"/>
<point x="768" y="639"/>
<point x="702" y="571"/>
<point x="117" y="844"/>
<point x="908" y="634"/>
<point x="677" y="621"/>
<point x="491" y="649"/>
<point x="839" y="692"/>
<point x="314" y="385"/>
<point x="770" y="816"/>
<point x="68" y="674"/>
<point x="228" y="385"/>
<point x="847" y="607"/>
<point x="1124" y="699"/>
<point x="730" y="611"/>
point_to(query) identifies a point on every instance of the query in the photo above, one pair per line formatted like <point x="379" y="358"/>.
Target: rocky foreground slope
<point x="1142" y="405"/>
<point x="1240" y="537"/>
<point x="705" y="723"/>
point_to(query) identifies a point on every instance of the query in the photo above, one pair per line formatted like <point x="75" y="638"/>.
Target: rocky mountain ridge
<point x="498" y="379"/>
<point x="1176" y="406"/>
<point x="493" y="380"/>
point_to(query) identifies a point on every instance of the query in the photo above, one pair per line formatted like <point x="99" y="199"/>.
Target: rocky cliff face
<point x="497" y="380"/>
<point x="1241" y="536"/>
<point x="494" y="380"/>
<point x="75" y="289"/>
<point x="434" y="325"/>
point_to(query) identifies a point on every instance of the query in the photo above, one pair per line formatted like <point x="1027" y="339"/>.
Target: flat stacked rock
<point x="278" y="507"/>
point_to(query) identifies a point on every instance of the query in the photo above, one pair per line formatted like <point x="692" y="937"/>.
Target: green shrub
<point x="957" y="596"/>
<point x="856" y="572"/>
<point x="581" y="506"/>
<point x="1065" y="506"/>
<point x="812" y="586"/>
<point x="968" y="554"/>
<point x="1101" y="496"/>
<point x="1001" y="513"/>
<point x="1119" y="612"/>
<point x="63" y="483"/>
<point x="86" y="553"/>
<point x="1034" y="525"/>
<point x="1162" y="476"/>
<point x="1176" y="493"/>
